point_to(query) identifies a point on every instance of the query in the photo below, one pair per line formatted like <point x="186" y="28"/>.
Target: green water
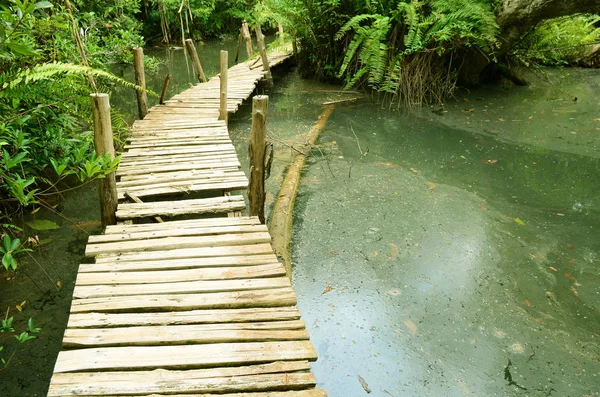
<point x="455" y="259"/>
<point x="438" y="252"/>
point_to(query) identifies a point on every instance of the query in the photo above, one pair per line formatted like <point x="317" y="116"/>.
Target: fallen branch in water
<point x="280" y="223"/>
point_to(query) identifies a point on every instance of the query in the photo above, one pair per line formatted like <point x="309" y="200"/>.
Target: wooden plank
<point x="234" y="183"/>
<point x="203" y="252"/>
<point x="193" y="356"/>
<point x="177" y="232"/>
<point x="210" y="316"/>
<point x="299" y="393"/>
<point x="175" y="176"/>
<point x="186" y="263"/>
<point x="142" y="382"/>
<point x="215" y="300"/>
<point x="158" y="168"/>
<point x="181" y="207"/>
<point x="177" y="243"/>
<point x="187" y="287"/>
<point x="188" y="223"/>
<point x="185" y="334"/>
<point x="175" y="276"/>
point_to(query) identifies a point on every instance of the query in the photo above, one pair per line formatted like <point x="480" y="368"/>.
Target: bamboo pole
<point x="247" y="38"/>
<point x="223" y="86"/>
<point x="263" y="54"/>
<point x="164" y="89"/>
<point x="140" y="79"/>
<point x="256" y="189"/>
<point x="196" y="61"/>
<point x="280" y="27"/>
<point x="103" y="142"/>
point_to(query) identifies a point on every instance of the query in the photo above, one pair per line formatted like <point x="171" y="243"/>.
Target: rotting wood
<point x="256" y="189"/>
<point x="103" y="143"/>
<point x="163" y="93"/>
<point x="281" y="220"/>
<point x="140" y="80"/>
<point x="239" y="44"/>
<point x="195" y="59"/>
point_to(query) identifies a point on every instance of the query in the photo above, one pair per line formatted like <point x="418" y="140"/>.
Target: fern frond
<point x="354" y="24"/>
<point x="47" y="71"/>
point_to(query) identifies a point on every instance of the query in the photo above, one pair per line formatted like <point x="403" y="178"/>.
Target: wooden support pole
<point x="223" y="86"/>
<point x="280" y="27"/>
<point x="195" y="60"/>
<point x="140" y="79"/>
<point x="256" y="190"/>
<point x="103" y="142"/>
<point x="239" y="44"/>
<point x="247" y="38"/>
<point x="164" y="90"/>
<point x="263" y="54"/>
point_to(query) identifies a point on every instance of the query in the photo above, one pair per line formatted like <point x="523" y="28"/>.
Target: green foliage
<point x="560" y="41"/>
<point x="9" y="249"/>
<point x="7" y="327"/>
<point x="382" y="47"/>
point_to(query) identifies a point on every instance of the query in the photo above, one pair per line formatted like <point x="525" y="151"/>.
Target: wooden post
<point x="263" y="54"/>
<point x="140" y="79"/>
<point x="256" y="190"/>
<point x="103" y="142"/>
<point x="164" y="90"/>
<point x="247" y="38"/>
<point x="223" y="86"/>
<point x="280" y="27"/>
<point x="196" y="61"/>
<point x="239" y="44"/>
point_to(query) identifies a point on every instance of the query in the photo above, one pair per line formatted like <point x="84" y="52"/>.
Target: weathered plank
<point x="181" y="207"/>
<point x="189" y="223"/>
<point x="188" y="287"/>
<point x="186" y="334"/>
<point x="192" y="356"/>
<point x="209" y="316"/>
<point x="239" y="299"/>
<point x="179" y="263"/>
<point x="160" y="380"/>
<point x="176" y="231"/>
<point x="175" y="276"/>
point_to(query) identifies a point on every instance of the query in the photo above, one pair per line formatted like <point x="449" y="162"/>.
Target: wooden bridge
<point x="185" y="307"/>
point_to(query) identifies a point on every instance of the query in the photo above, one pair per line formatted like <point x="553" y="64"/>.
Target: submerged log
<point x="281" y="221"/>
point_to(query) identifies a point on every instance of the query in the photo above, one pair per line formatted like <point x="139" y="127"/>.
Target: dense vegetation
<point x="53" y="54"/>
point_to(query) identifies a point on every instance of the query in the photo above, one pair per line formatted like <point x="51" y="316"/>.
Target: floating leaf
<point x="519" y="221"/>
<point x="19" y="307"/>
<point x="411" y="326"/>
<point x="570" y="277"/>
<point x="431" y="185"/>
<point x="559" y="214"/>
<point x="570" y="246"/>
<point x="552" y="268"/>
<point x="327" y="289"/>
<point x="528" y="303"/>
<point x="42" y="224"/>
<point x="483" y="206"/>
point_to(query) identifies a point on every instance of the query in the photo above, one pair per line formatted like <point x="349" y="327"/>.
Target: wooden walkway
<point x="185" y="307"/>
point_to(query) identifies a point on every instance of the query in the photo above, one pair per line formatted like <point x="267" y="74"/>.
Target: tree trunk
<point x="515" y="18"/>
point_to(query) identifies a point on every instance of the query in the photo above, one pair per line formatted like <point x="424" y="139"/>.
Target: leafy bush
<point x="560" y="41"/>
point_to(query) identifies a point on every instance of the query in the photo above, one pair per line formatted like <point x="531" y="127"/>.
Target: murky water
<point x="444" y="252"/>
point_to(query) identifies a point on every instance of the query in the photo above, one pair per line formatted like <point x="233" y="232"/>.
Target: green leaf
<point x="21" y="49"/>
<point x="43" y="4"/>
<point x="42" y="224"/>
